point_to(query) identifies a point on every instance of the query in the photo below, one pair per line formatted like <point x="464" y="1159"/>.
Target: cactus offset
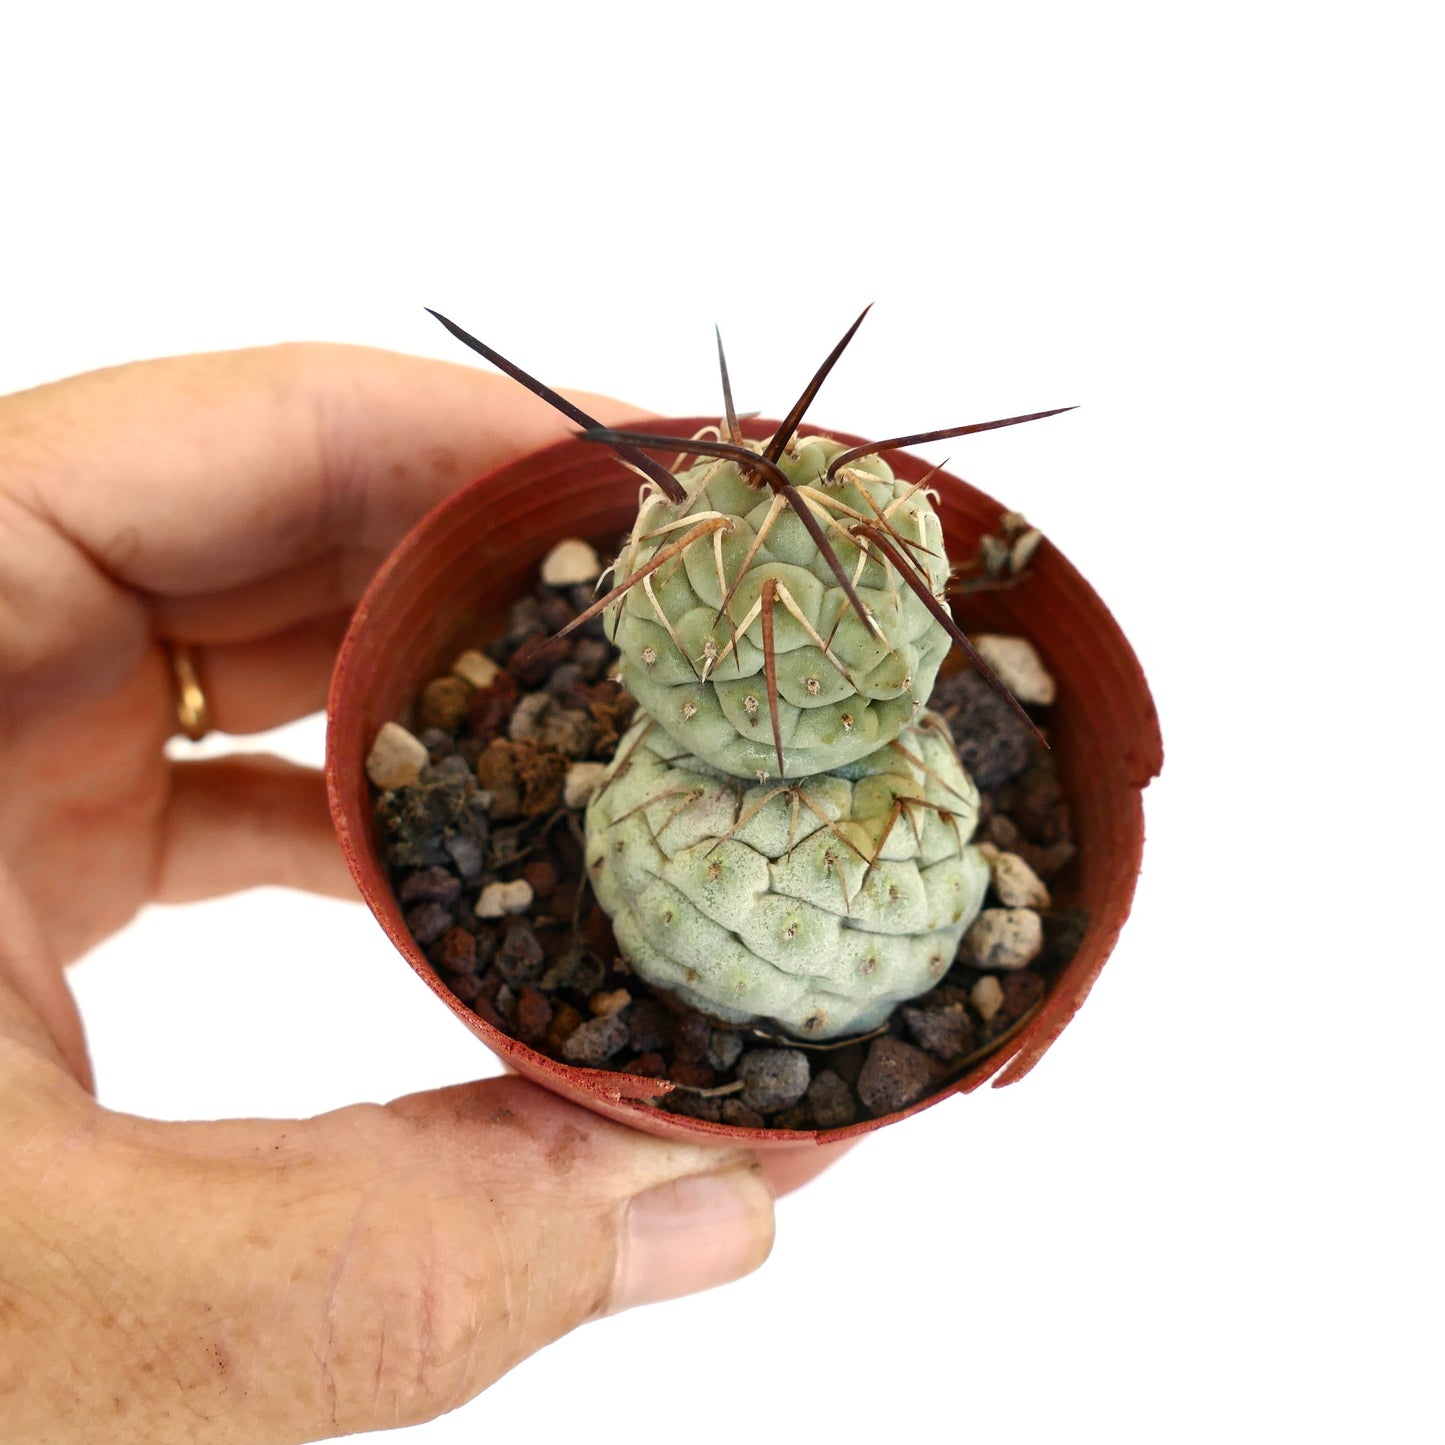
<point x="781" y="616"/>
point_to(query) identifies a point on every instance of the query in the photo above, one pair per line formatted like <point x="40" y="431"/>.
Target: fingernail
<point x="692" y="1234"/>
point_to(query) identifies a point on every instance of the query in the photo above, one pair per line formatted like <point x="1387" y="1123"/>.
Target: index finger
<point x="192" y="475"/>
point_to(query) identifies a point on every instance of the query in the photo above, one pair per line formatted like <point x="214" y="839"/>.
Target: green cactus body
<point x="816" y="905"/>
<point x="843" y="690"/>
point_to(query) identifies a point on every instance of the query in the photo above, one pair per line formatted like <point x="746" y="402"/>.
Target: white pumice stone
<point x="1016" y="884"/>
<point x="1004" y="938"/>
<point x="476" y="668"/>
<point x="396" y="757"/>
<point x="1018" y="667"/>
<point x="581" y="782"/>
<point x="500" y="899"/>
<point x="986" y="996"/>
<point x="1024" y="547"/>
<point x="571" y="561"/>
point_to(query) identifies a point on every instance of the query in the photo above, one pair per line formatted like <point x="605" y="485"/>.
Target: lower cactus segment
<point x="815" y="906"/>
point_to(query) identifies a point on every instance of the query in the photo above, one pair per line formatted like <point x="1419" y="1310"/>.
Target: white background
<point x="1210" y="1213"/>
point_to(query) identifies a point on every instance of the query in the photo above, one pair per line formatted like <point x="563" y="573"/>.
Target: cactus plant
<point x="781" y="616"/>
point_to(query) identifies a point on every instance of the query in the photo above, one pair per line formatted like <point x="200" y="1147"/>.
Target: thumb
<point x="379" y="1266"/>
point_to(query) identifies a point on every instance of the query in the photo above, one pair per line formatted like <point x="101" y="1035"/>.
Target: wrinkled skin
<point x="256" y="1279"/>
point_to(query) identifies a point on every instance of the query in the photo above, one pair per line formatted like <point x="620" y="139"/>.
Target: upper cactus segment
<point x="816" y="905"/>
<point x="743" y="643"/>
<point x="839" y="525"/>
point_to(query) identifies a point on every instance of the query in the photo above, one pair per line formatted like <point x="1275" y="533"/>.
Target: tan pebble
<point x="583" y="779"/>
<point x="1018" y="667"/>
<point x="476" y="668"/>
<point x="396" y="757"/>
<point x="989" y="851"/>
<point x="1004" y="938"/>
<point x="1016" y="884"/>
<point x="604" y="1005"/>
<point x="570" y="562"/>
<point x="499" y="899"/>
<point x="986" y="996"/>
<point x="444" y="703"/>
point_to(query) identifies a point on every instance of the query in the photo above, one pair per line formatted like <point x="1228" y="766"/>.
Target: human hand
<point x="262" y="1280"/>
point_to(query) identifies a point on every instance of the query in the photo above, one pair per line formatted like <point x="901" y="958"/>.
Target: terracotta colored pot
<point x="448" y="586"/>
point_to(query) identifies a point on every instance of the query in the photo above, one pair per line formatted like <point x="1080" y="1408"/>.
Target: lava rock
<point x="773" y="1079"/>
<point x="491" y="709"/>
<point x="466" y="855"/>
<point x="527" y="715"/>
<point x="466" y="986"/>
<point x="945" y="1031"/>
<point x="576" y="968"/>
<point x="541" y="876"/>
<point x="691" y="1036"/>
<point x="534" y="1015"/>
<point x="737" y="1113"/>
<point x="649" y="1027"/>
<point x="594" y="1042"/>
<point x="524" y="620"/>
<point x="568" y="731"/>
<point x="438" y="744"/>
<point x="519" y="960"/>
<point x="993" y="742"/>
<point x="798" y="1116"/>
<point x="428" y="921"/>
<point x="565" y="1022"/>
<point x="556" y="612"/>
<point x="591" y="657"/>
<point x="532" y="663"/>
<point x="723" y="1050"/>
<point x="1063" y="933"/>
<point x="429" y="885"/>
<point x="695" y="1076"/>
<point x="831" y="1101"/>
<point x="456" y="952"/>
<point x="894" y="1076"/>
<point x="1021" y="991"/>
<point x="564" y="679"/>
<point x="694" y="1106"/>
